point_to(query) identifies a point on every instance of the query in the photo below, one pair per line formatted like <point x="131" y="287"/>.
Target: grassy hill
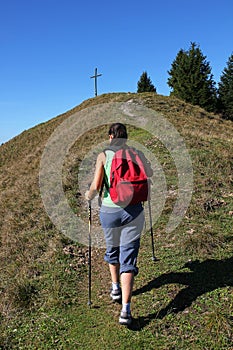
<point x="183" y="301"/>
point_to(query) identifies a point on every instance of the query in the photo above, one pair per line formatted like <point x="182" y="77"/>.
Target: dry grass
<point x="29" y="242"/>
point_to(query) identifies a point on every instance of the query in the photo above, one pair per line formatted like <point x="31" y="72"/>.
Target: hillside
<point x="183" y="301"/>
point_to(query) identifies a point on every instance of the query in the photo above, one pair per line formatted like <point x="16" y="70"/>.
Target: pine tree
<point x="225" y="90"/>
<point x="191" y="79"/>
<point x="145" y="84"/>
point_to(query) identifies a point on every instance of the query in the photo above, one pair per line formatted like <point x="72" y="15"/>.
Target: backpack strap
<point x="100" y="193"/>
<point x="101" y="188"/>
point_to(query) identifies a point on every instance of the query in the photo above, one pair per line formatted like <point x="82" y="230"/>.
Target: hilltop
<point x="184" y="301"/>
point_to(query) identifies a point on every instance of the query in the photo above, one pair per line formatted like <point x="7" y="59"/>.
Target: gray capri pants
<point x="122" y="230"/>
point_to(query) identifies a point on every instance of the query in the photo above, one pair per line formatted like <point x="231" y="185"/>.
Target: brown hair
<point x="118" y="131"/>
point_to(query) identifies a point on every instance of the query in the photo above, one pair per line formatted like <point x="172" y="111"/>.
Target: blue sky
<point x="50" y="48"/>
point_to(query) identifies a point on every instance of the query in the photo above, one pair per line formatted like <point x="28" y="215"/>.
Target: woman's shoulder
<point x="101" y="157"/>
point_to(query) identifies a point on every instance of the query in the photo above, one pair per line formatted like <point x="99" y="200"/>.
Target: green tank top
<point x="107" y="168"/>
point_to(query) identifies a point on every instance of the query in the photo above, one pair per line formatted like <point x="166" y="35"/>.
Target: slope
<point x="43" y="273"/>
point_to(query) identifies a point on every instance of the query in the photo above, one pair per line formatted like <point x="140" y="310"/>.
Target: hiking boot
<point x="116" y="294"/>
<point x="125" y="318"/>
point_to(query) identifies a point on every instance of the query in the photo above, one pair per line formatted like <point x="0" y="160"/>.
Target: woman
<point x="122" y="226"/>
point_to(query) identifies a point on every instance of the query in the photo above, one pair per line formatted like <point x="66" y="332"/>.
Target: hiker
<point x="122" y="225"/>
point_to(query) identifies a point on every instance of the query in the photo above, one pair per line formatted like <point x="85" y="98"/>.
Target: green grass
<point x="176" y="304"/>
<point x="182" y="301"/>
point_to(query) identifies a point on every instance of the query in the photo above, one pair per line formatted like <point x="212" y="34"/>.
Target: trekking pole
<point x="151" y="232"/>
<point x="89" y="254"/>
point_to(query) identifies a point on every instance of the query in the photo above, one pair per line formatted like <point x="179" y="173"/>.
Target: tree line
<point x="191" y="80"/>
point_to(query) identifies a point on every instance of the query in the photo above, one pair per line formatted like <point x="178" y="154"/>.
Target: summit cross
<point x="96" y="76"/>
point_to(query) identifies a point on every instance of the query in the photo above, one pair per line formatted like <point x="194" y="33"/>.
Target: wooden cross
<point x="96" y="76"/>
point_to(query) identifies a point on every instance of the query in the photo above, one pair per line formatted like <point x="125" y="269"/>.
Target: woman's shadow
<point x="204" y="277"/>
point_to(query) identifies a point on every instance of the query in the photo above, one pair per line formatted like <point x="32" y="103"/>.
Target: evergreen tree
<point x="225" y="90"/>
<point x="191" y="79"/>
<point x="145" y="84"/>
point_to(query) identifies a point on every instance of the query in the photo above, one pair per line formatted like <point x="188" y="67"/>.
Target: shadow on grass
<point x="204" y="277"/>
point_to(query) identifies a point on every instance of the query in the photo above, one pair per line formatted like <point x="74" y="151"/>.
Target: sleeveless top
<point x="107" y="168"/>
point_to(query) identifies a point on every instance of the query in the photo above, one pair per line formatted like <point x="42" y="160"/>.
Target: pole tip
<point x="154" y="258"/>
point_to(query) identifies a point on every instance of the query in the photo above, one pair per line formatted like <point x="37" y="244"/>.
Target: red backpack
<point x="128" y="180"/>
